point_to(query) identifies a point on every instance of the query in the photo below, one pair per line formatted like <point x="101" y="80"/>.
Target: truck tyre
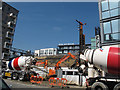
<point x="21" y="77"/>
<point x="14" y="76"/>
<point x="117" y="87"/>
<point x="99" y="86"/>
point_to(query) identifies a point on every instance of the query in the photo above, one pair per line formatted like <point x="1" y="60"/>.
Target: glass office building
<point x="93" y="43"/>
<point x="109" y="21"/>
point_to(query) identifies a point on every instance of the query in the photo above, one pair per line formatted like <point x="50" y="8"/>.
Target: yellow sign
<point x="8" y="74"/>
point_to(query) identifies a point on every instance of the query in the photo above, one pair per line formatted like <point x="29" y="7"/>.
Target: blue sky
<point x="44" y="25"/>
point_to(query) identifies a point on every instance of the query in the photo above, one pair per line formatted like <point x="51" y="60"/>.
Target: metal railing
<point x="12" y="49"/>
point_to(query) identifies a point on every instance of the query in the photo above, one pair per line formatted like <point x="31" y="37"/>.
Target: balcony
<point x="9" y="35"/>
<point x="7" y="45"/>
<point x="5" y="55"/>
<point x="10" y="32"/>
<point x="11" y="24"/>
<point x="12" y="15"/>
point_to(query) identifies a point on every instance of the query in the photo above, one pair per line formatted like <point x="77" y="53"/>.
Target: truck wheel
<point x="117" y="87"/>
<point x="21" y="77"/>
<point x="99" y="86"/>
<point x="14" y="76"/>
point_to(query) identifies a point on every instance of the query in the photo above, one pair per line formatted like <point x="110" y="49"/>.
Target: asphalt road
<point x="19" y="85"/>
<point x="25" y="84"/>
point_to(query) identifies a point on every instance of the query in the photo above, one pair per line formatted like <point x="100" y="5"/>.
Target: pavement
<point x="45" y="85"/>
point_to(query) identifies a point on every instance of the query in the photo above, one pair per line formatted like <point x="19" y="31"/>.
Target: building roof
<point x="11" y="6"/>
<point x="72" y="45"/>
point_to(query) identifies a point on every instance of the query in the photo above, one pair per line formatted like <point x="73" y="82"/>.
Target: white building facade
<point x="46" y="52"/>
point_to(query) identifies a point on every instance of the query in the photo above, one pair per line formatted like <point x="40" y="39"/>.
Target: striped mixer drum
<point x="19" y="62"/>
<point x="106" y="58"/>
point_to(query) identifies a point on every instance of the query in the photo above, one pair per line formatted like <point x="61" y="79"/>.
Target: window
<point x="46" y="51"/>
<point x="111" y="29"/>
<point x="115" y="12"/>
<point x="70" y="47"/>
<point x="115" y="25"/>
<point x="60" y="51"/>
<point x="113" y="3"/>
<point x="106" y="27"/>
<point x="116" y="36"/>
<point x="69" y="73"/>
<point x="112" y="37"/>
<point x="41" y="51"/>
<point x="63" y="72"/>
<point x="108" y="37"/>
<point x="76" y="73"/>
<point x="76" y="50"/>
<point x="65" y="51"/>
<point x="61" y="47"/>
<point x="76" y="47"/>
<point x="104" y="5"/>
<point x="105" y="14"/>
<point x="65" y="47"/>
<point x="50" y="51"/>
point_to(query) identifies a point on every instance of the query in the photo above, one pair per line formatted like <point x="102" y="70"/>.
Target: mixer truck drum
<point x="105" y="58"/>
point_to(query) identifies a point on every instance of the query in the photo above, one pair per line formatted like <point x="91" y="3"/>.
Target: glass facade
<point x="110" y="20"/>
<point x="93" y="43"/>
<point x="47" y="52"/>
<point x="64" y="49"/>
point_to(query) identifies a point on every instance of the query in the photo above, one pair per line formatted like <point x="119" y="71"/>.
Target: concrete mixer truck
<point x="20" y="68"/>
<point x="101" y="67"/>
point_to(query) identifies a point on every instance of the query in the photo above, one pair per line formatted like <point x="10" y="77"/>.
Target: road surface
<point x="19" y="85"/>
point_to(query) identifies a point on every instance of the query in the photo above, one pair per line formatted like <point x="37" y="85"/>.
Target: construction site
<point x="94" y="66"/>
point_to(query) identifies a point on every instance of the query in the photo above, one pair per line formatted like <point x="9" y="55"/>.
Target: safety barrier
<point x="36" y="79"/>
<point x="57" y="82"/>
<point x="52" y="81"/>
<point x="64" y="81"/>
